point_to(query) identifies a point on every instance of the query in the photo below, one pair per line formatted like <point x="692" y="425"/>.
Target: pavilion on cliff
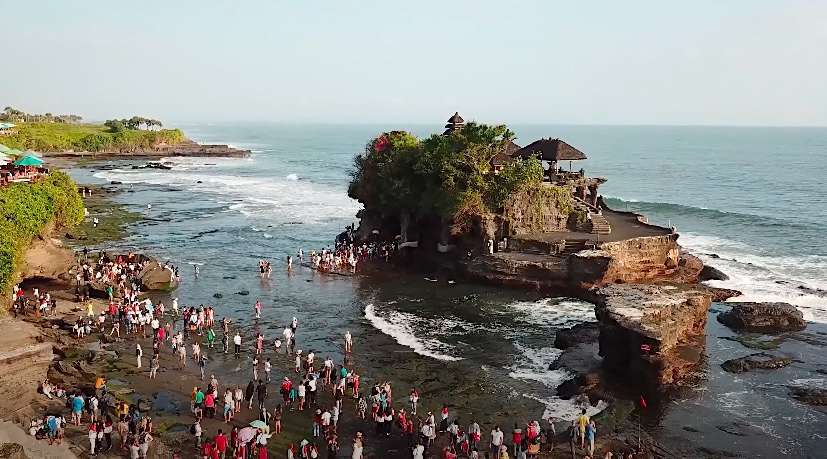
<point x="551" y="150"/>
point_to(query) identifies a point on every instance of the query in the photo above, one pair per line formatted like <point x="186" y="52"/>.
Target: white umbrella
<point x="246" y="434"/>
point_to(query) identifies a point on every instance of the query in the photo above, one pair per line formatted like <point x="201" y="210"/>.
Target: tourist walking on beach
<point x="497" y="437"/>
<point x="138" y="353"/>
<point x="249" y="393"/>
<point x="574" y="435"/>
<point x="258" y="309"/>
<point x="202" y="363"/>
<point x="591" y="431"/>
<point x="582" y="422"/>
<point x="154" y="364"/>
<point x="348" y="342"/>
<point x="261" y="393"/>
<point x="259" y="344"/>
<point x="414" y="399"/>
<point x="237" y="343"/>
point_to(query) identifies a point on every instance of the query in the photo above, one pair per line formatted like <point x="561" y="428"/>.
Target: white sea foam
<point x="555" y="312"/>
<point x="567" y="410"/>
<point x="763" y="277"/>
<point x="292" y="177"/>
<point x="532" y="365"/>
<point x="400" y="326"/>
<point x="273" y="199"/>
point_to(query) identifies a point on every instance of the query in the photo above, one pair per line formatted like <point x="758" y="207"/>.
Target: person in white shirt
<point x="348" y="342"/>
<point x="418" y="452"/>
<point x="267" y="368"/>
<point x="138" y="354"/>
<point x="496" y="440"/>
<point x="237" y="343"/>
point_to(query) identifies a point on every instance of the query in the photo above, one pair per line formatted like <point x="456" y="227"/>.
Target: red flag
<point x="642" y="402"/>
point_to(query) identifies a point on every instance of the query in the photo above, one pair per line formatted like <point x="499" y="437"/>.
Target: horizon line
<point x="172" y="123"/>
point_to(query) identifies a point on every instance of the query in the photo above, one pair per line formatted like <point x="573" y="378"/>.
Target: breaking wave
<point x="400" y="326"/>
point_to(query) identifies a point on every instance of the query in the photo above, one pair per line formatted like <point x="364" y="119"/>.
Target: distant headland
<point x="67" y="136"/>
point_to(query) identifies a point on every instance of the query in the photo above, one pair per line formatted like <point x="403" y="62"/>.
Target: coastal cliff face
<point x="643" y="259"/>
<point x="640" y="259"/>
<point x="651" y="333"/>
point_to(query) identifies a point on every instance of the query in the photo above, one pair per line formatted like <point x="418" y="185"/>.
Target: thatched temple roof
<point x="550" y="150"/>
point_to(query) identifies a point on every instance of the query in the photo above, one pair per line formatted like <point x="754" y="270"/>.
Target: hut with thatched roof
<point x="551" y="150"/>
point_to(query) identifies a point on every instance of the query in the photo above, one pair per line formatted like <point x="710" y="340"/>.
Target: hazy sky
<point x="610" y="62"/>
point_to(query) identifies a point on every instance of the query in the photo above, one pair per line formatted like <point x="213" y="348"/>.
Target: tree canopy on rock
<point x="440" y="176"/>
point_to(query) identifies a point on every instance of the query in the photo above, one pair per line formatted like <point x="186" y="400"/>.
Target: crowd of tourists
<point x="127" y="317"/>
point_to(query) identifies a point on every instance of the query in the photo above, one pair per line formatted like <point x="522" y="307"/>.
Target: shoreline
<point x="173" y="423"/>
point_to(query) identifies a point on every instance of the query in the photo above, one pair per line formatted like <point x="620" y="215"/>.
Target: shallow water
<point x="482" y="349"/>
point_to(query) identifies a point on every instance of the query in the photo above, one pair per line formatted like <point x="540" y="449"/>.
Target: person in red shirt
<point x="221" y="444"/>
<point x="207" y="450"/>
<point x="209" y="404"/>
<point x="517" y="438"/>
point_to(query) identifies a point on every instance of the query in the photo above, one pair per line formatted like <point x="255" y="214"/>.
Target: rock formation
<point x="760" y="360"/>
<point x="155" y="276"/>
<point x="651" y="333"/>
<point x="763" y="317"/>
<point x="579" y="334"/>
<point x="811" y="391"/>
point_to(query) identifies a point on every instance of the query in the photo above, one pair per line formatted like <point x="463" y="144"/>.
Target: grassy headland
<point x="26" y="210"/>
<point x="51" y="137"/>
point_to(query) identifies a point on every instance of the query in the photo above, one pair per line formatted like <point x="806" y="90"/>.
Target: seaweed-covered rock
<point x="760" y="360"/>
<point x="763" y="317"/>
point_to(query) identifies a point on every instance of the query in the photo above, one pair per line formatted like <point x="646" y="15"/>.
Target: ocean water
<point x="747" y="200"/>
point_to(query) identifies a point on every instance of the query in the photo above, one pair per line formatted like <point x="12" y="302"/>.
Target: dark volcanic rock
<point x="812" y="392"/>
<point x="243" y="292"/>
<point x="580" y="384"/>
<point x="579" y="334"/>
<point x="761" y="360"/>
<point x="710" y="273"/>
<point x="144" y="405"/>
<point x="720" y="295"/>
<point x="763" y="317"/>
<point x="217" y="295"/>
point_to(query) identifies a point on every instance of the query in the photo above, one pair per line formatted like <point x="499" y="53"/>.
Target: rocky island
<point x="471" y="202"/>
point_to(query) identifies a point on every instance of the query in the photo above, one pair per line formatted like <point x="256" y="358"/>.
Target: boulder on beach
<point x="760" y="360"/>
<point x="155" y="276"/>
<point x="144" y="405"/>
<point x="763" y="317"/>
<point x="709" y="273"/>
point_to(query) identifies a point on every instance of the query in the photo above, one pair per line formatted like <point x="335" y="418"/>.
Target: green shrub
<point x="26" y="209"/>
<point x="87" y="137"/>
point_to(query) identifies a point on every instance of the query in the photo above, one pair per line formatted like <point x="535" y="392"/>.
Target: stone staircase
<point x="599" y="224"/>
<point x="574" y="246"/>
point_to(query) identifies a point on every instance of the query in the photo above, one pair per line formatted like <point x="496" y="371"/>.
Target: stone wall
<point x="537" y="210"/>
